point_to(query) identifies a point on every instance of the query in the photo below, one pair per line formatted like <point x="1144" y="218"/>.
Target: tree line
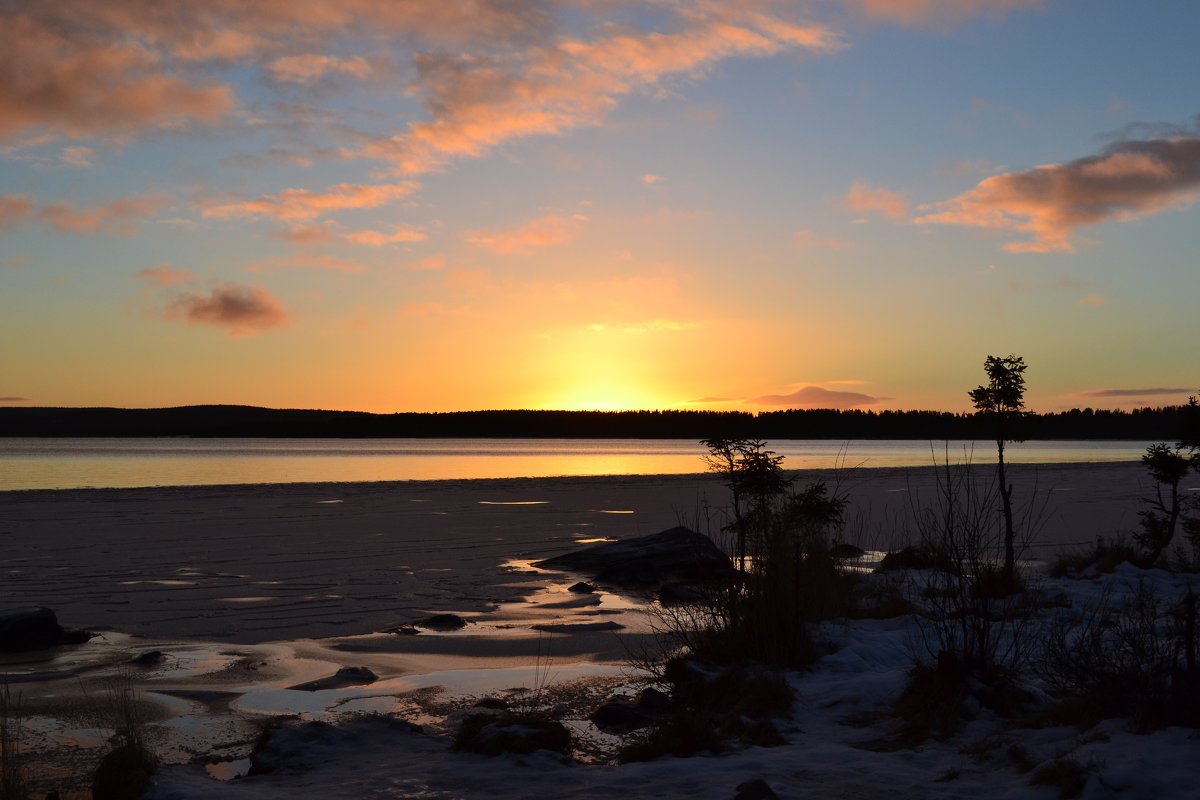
<point x="1159" y="423"/>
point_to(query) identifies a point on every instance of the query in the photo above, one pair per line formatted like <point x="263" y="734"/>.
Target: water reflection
<point x="125" y="463"/>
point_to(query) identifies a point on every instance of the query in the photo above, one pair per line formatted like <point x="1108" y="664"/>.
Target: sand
<point x="251" y="564"/>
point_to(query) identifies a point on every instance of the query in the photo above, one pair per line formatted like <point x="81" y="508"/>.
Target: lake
<point x="27" y="463"/>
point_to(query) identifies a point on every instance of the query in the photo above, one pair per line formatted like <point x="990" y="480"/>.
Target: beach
<point x="247" y="592"/>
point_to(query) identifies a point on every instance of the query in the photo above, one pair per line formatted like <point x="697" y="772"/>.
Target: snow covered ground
<point x="842" y="709"/>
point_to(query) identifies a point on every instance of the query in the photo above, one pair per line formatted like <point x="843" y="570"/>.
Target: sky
<point x="439" y="205"/>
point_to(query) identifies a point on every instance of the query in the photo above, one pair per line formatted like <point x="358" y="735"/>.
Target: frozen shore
<point x="249" y="591"/>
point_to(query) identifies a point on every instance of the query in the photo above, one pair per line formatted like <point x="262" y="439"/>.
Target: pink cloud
<point x="1135" y="392"/>
<point x="806" y="239"/>
<point x="240" y="310"/>
<point x="60" y="76"/>
<point x="864" y="198"/>
<point x="119" y="216"/>
<point x="311" y="68"/>
<point x="939" y="12"/>
<point x="306" y="234"/>
<point x="370" y="238"/>
<point x="14" y="210"/>
<point x="551" y="230"/>
<point x="817" y="397"/>
<point x="477" y="103"/>
<point x="165" y="276"/>
<point x="299" y="205"/>
<point x="1092" y="300"/>
<point x="306" y="261"/>
<point x="1130" y="179"/>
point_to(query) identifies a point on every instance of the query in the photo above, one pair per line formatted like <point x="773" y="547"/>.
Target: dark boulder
<point x="517" y="734"/>
<point x="346" y="676"/>
<point x="756" y="789"/>
<point x="846" y="552"/>
<point x="35" y="629"/>
<point x="677" y="555"/>
<point x="442" y="622"/>
<point x="620" y="715"/>
<point x="123" y="774"/>
<point x="151" y="658"/>
<point x="583" y="587"/>
<point x="284" y="746"/>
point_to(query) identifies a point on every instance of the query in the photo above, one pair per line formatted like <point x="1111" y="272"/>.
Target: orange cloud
<point x="864" y="198"/>
<point x="548" y="231"/>
<point x="477" y="103"/>
<point x="14" y="210"/>
<point x="939" y="12"/>
<point x="379" y="238"/>
<point x="817" y="397"/>
<point x="84" y="68"/>
<point x="311" y="68"/>
<point x="59" y="76"/>
<point x="805" y="238"/>
<point x="306" y="261"/>
<point x="298" y="205"/>
<point x="118" y="217"/>
<point x="240" y="310"/>
<point x="1129" y="179"/>
<point x="165" y="276"/>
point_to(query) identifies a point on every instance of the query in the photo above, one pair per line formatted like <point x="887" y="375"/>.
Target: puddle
<point x="594" y="540"/>
<point x="166" y="582"/>
<point x="614" y="511"/>
<point x="259" y="599"/>
<point x="514" y="502"/>
<point x="329" y="502"/>
<point x="228" y="770"/>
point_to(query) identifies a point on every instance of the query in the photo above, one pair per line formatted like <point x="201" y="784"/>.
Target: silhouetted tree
<point x="1168" y="466"/>
<point x="1002" y="399"/>
<point x="754" y="476"/>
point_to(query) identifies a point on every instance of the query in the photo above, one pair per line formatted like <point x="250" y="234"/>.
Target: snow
<point x="842" y="706"/>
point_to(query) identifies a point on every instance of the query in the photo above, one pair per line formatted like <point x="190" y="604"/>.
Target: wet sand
<point x="253" y="564"/>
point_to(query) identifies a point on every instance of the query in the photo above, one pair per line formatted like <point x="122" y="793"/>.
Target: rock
<point x="653" y="701"/>
<point x="151" y="658"/>
<point x="35" y="629"/>
<point x="679" y="555"/>
<point x="494" y="703"/>
<point x="442" y="622"/>
<point x="496" y="734"/>
<point x="123" y="774"/>
<point x="846" y="552"/>
<point x="299" y="746"/>
<point x="756" y="789"/>
<point x="346" y="676"/>
<point x="404" y="630"/>
<point x="619" y="715"/>
<point x="678" y="593"/>
<point x="583" y="587"/>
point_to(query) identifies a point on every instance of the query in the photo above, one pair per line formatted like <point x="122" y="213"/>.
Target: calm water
<point x="122" y="463"/>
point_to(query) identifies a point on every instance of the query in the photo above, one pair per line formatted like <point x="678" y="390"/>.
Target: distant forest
<point x="248" y="421"/>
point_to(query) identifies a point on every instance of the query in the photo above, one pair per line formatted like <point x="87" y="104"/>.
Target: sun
<point x="598" y="395"/>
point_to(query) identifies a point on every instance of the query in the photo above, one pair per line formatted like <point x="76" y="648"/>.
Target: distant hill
<point x="249" y="421"/>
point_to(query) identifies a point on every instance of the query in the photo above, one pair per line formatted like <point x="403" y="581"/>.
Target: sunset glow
<point x="436" y="206"/>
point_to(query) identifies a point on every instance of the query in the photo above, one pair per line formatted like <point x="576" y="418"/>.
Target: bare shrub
<point x="970" y="610"/>
<point x="1132" y="659"/>
<point x="12" y="772"/>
